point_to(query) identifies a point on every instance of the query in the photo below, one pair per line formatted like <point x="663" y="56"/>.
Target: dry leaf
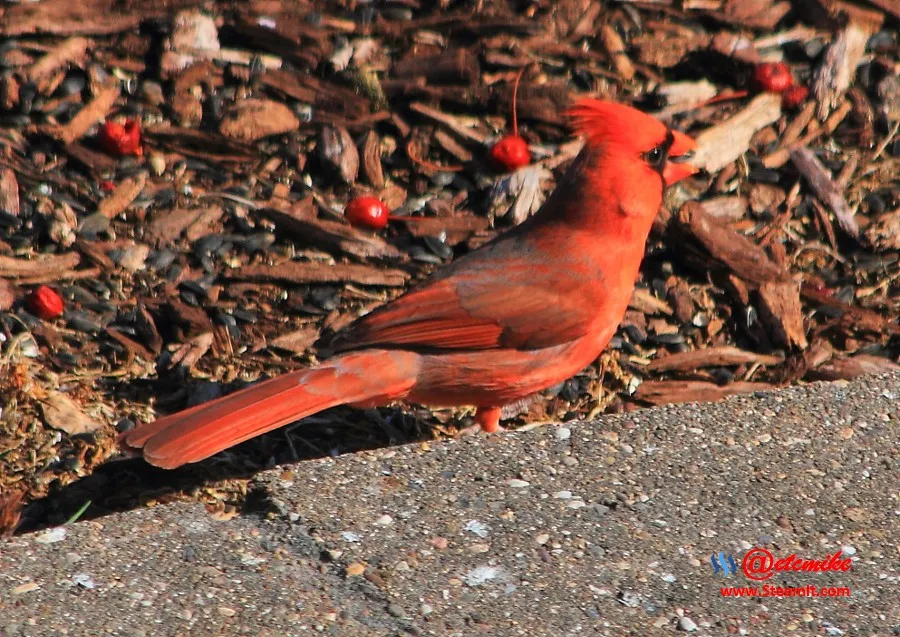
<point x="253" y="119"/>
<point x="61" y="412"/>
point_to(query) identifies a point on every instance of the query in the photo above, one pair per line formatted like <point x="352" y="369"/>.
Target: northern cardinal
<point x="529" y="309"/>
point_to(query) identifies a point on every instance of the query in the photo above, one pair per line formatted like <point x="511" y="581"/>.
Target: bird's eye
<point x="656" y="157"/>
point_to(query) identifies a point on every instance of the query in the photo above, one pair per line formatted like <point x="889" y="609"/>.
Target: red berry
<point x="794" y="96"/>
<point x="774" y="77"/>
<point x="510" y="153"/>
<point x="44" y="303"/>
<point x="369" y="212"/>
<point x="120" y="140"/>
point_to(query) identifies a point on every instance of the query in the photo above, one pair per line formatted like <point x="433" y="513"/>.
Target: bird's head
<point x="631" y="156"/>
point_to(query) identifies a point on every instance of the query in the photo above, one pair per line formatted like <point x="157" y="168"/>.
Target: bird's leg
<point x="488" y="418"/>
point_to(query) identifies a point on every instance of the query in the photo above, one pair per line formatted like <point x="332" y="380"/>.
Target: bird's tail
<point x="363" y="378"/>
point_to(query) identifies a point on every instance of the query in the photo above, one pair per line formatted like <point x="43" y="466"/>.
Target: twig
<point x="840" y="61"/>
<point x="411" y="153"/>
<point x="825" y="189"/>
<point x="616" y="49"/>
<point x="780" y="157"/>
<point x="892" y="134"/>
<point x="449" y="121"/>
<point x="93" y="112"/>
<point x="72" y="50"/>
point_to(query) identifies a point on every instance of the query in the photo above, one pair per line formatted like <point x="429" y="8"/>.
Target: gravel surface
<point x="602" y="528"/>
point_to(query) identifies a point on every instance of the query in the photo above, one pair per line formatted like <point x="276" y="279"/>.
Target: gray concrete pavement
<point x="602" y="528"/>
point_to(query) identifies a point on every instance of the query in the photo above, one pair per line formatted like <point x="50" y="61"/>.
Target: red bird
<point x="523" y="312"/>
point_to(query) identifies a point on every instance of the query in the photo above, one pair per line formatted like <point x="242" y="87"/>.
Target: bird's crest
<point x="607" y="123"/>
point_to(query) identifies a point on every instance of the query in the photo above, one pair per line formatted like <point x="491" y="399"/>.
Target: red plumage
<point x="521" y="313"/>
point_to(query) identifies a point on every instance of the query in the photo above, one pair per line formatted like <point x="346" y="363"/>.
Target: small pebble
<point x="27" y="587"/>
<point x="482" y="575"/>
<point x="627" y="598"/>
<point x="563" y="433"/>
<point x="225" y="611"/>
<point x="396" y="610"/>
<point x="56" y="534"/>
<point x="687" y="624"/>
<point x="477" y="527"/>
<point x="356" y="569"/>
<point x="84" y="581"/>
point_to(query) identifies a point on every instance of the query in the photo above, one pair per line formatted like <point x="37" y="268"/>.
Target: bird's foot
<point x="488" y="419"/>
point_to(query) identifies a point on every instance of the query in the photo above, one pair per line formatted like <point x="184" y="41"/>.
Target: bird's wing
<point x="495" y="300"/>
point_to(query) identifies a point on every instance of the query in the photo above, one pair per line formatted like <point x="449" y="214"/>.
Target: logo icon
<point x="723" y="564"/>
<point x="758" y="564"/>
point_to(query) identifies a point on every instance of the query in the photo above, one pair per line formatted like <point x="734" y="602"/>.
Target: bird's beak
<point x="680" y="152"/>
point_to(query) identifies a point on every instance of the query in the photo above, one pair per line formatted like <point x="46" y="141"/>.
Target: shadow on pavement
<point x="125" y="484"/>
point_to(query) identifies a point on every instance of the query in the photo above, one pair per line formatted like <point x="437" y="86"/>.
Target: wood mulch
<point x="216" y="251"/>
